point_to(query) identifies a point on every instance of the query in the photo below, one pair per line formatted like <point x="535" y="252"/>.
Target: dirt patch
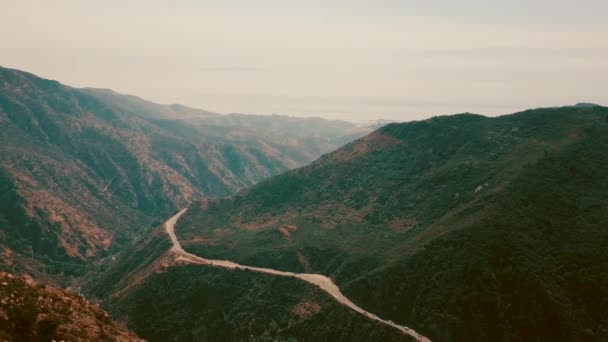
<point x="194" y="240"/>
<point x="305" y="309"/>
<point x="204" y="204"/>
<point x="364" y="145"/>
<point x="403" y="224"/>
<point x="286" y="230"/>
<point x="6" y="256"/>
<point x="263" y="222"/>
<point x="304" y="262"/>
<point x="219" y="232"/>
<point x="200" y="241"/>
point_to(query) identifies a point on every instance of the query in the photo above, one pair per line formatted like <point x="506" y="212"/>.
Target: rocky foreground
<point x="31" y="311"/>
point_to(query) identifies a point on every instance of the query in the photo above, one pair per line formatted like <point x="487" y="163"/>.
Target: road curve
<point x="323" y="282"/>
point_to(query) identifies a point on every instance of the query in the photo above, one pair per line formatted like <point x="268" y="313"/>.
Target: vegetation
<point x="462" y="227"/>
<point x="84" y="172"/>
<point x="194" y="303"/>
<point x="531" y="269"/>
<point x="112" y="278"/>
<point x="163" y="299"/>
<point x="30" y="311"/>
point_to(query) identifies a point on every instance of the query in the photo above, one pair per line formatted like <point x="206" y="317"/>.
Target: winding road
<point x="323" y="282"/>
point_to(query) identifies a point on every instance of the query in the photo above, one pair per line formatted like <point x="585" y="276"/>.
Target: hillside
<point x="84" y="171"/>
<point x="164" y="298"/>
<point x="462" y="227"/>
<point x="31" y="311"/>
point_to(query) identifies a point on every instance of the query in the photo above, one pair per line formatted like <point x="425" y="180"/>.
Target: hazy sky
<point x="358" y="60"/>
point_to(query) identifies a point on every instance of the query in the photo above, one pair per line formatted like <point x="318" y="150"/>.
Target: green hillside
<point x="163" y="299"/>
<point x="463" y="227"/>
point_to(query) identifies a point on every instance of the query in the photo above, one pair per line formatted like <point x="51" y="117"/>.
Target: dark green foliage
<point x="462" y="227"/>
<point x="194" y="303"/>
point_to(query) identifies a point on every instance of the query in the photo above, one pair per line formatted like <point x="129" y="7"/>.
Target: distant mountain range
<point x="84" y="171"/>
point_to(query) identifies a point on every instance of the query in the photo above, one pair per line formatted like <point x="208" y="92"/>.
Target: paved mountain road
<point x="323" y="282"/>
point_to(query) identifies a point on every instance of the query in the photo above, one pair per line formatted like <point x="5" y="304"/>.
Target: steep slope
<point x="297" y="140"/>
<point x="31" y="311"/>
<point x="461" y="227"/>
<point x="84" y="171"/>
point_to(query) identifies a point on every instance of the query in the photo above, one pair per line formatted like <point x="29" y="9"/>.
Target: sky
<point x="353" y="60"/>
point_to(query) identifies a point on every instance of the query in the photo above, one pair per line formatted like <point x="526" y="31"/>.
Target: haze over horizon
<point x="351" y="60"/>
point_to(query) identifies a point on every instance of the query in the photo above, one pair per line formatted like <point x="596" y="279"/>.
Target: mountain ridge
<point x="83" y="173"/>
<point x="378" y="209"/>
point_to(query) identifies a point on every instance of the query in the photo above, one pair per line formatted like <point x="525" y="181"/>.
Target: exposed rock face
<point x="30" y="311"/>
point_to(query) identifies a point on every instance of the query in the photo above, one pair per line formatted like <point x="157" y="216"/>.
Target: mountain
<point x="84" y="171"/>
<point x="31" y="311"/>
<point x="463" y="227"/>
